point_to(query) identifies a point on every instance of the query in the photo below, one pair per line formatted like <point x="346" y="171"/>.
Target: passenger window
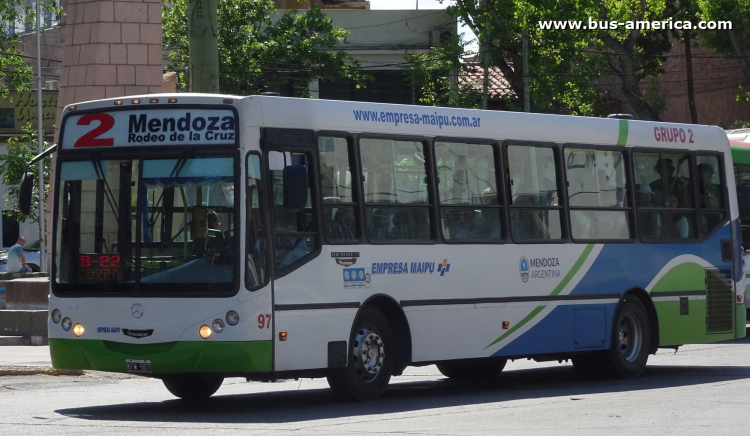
<point x="295" y="233"/>
<point x="339" y="211"/>
<point x="596" y="194"/>
<point x="710" y="189"/>
<point x="534" y="195"/>
<point x="467" y="186"/>
<point x="256" y="265"/>
<point x="664" y="196"/>
<point x="395" y="188"/>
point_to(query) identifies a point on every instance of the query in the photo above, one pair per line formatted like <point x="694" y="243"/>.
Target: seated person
<point x="649" y="223"/>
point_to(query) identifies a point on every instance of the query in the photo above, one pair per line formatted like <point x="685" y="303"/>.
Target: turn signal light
<point x="205" y="331"/>
<point x="506" y="324"/>
<point x="78" y="329"/>
<point x="136" y="101"/>
<point x="739" y="298"/>
<point x="72" y="107"/>
<point x="154" y="100"/>
<point x="118" y="102"/>
<point x="172" y="100"/>
<point x="282" y="336"/>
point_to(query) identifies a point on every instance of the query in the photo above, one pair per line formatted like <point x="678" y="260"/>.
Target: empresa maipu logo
<point x="524" y="269"/>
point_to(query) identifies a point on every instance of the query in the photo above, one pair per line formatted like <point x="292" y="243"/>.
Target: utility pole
<point x="526" y="87"/>
<point x="203" y="41"/>
<point x="485" y="47"/>
<point x="40" y="137"/>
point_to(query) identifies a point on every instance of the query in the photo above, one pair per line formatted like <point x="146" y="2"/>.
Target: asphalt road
<point x="702" y="389"/>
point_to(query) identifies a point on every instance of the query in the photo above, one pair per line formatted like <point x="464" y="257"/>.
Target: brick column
<point x="110" y="49"/>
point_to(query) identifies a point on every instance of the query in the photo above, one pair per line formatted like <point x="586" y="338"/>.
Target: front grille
<point x="719" y="302"/>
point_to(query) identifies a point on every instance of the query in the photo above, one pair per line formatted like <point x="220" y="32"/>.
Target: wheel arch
<point x="399" y="326"/>
<point x="653" y="319"/>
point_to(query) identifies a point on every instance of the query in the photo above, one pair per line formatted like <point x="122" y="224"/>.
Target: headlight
<point x="67" y="324"/>
<point x="218" y="325"/>
<point x="232" y="317"/>
<point x="56" y="316"/>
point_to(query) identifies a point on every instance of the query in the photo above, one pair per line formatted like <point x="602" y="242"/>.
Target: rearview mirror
<point x="25" y="192"/>
<point x="295" y="186"/>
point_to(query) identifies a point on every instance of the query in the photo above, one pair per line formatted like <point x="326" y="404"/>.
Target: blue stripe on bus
<point x="622" y="266"/>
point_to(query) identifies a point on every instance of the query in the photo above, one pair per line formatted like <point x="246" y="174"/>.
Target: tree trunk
<point x="626" y="72"/>
<point x="691" y="92"/>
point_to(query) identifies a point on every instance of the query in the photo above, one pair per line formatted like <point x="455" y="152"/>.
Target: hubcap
<point x="629" y="337"/>
<point x="368" y="353"/>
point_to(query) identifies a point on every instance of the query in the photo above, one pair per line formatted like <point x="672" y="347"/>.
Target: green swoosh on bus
<point x="564" y="282"/>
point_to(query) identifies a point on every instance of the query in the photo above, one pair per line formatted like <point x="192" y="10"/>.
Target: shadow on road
<point x="316" y="404"/>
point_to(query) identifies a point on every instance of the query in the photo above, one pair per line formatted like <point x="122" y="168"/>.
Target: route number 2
<point x="92" y="139"/>
<point x="264" y="321"/>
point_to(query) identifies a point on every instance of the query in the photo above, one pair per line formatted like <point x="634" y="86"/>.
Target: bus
<point x="739" y="143"/>
<point x="198" y="237"/>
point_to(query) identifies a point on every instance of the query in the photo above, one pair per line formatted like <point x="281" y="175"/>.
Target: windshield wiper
<point x="178" y="166"/>
<point x="97" y="163"/>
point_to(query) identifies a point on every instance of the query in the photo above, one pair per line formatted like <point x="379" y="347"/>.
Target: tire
<point x="193" y="388"/>
<point x="481" y="369"/>
<point x="372" y="353"/>
<point x="631" y="339"/>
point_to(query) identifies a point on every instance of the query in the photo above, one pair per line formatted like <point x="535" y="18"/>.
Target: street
<point x="702" y="389"/>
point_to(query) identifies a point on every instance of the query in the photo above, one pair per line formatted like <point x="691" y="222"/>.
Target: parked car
<point x="31" y="252"/>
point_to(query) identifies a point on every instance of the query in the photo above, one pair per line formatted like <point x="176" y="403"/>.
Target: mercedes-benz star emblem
<point x="137" y="310"/>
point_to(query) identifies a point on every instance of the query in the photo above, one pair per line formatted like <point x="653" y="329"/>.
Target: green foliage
<point x="12" y="166"/>
<point x="259" y="52"/>
<point x="435" y="73"/>
<point x="739" y="124"/>
<point x="14" y="73"/>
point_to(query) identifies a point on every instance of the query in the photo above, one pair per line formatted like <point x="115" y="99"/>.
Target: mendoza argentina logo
<point x="539" y="268"/>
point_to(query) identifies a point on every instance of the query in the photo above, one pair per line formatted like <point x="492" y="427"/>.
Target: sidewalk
<point x="29" y="360"/>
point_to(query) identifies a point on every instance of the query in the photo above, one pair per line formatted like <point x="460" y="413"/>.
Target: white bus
<point x="198" y="237"/>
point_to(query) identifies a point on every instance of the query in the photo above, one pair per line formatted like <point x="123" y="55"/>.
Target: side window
<point x="664" y="196"/>
<point x="467" y="187"/>
<point x="534" y="195"/>
<point x="294" y="227"/>
<point x="256" y="265"/>
<point x="596" y="194"/>
<point x="710" y="193"/>
<point x="339" y="211"/>
<point x="394" y="176"/>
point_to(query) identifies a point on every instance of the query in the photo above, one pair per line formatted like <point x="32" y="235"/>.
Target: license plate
<point x="142" y="366"/>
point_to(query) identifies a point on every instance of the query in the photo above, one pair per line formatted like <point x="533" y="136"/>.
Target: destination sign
<point x="143" y="127"/>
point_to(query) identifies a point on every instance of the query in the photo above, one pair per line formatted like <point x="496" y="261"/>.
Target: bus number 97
<point x="264" y="321"/>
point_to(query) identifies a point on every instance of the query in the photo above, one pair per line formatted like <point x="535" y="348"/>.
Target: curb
<point x="37" y="370"/>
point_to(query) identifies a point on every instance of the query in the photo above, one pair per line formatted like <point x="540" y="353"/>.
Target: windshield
<point x="149" y="225"/>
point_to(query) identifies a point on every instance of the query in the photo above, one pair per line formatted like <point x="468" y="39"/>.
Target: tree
<point x="435" y="73"/>
<point x="13" y="165"/>
<point x="561" y="69"/>
<point x="736" y="40"/>
<point x="565" y="63"/>
<point x="14" y="73"/>
<point x="259" y="52"/>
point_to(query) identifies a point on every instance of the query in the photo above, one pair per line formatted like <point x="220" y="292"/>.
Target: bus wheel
<point x="472" y="370"/>
<point x="371" y="358"/>
<point x="193" y="387"/>
<point x="631" y="337"/>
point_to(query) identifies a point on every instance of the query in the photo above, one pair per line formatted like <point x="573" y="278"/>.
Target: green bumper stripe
<point x="564" y="282"/>
<point x="166" y="358"/>
<point x="622" y="137"/>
